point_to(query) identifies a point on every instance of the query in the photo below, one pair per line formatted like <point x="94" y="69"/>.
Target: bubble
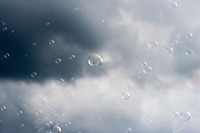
<point x="147" y="69"/>
<point x="47" y="24"/>
<point x="188" y="35"/>
<point x="95" y="60"/>
<point x="4" y="29"/>
<point x="21" y="125"/>
<point x="6" y="55"/>
<point x="3" y="23"/>
<point x="33" y="74"/>
<point x="20" y="112"/>
<point x="125" y="95"/>
<point x="189" y="52"/>
<point x="102" y="21"/>
<point x="175" y="114"/>
<point x="3" y="108"/>
<point x="51" y="42"/>
<point x="152" y="44"/>
<point x="175" y="42"/>
<point x="68" y="124"/>
<point x="185" y="116"/>
<point x="173" y="5"/>
<point x="55" y="129"/>
<point x="58" y="61"/>
<point x="144" y="63"/>
<point x="76" y="9"/>
<point x="169" y="50"/>
<point x="72" y="56"/>
<point x="12" y="31"/>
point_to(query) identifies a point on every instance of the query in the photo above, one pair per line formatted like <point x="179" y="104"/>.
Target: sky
<point x="148" y="82"/>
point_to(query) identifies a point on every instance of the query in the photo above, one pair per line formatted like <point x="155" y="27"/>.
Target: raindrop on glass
<point x="51" y="42"/>
<point x="189" y="52"/>
<point x="188" y="35"/>
<point x="4" y="29"/>
<point x="147" y="69"/>
<point x="173" y="5"/>
<point x="185" y="116"/>
<point x="169" y="50"/>
<point x="6" y="55"/>
<point x="47" y="24"/>
<point x="33" y="74"/>
<point x="72" y="56"/>
<point x="152" y="44"/>
<point x="95" y="60"/>
<point x="58" y="61"/>
<point x="76" y="9"/>
<point x="125" y="95"/>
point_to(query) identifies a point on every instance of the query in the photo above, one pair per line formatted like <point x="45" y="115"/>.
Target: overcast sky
<point x="148" y="82"/>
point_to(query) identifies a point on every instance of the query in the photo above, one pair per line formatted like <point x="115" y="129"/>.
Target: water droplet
<point x="169" y="50"/>
<point x="76" y="9"/>
<point x="51" y="42"/>
<point x="60" y="81"/>
<point x="47" y="24"/>
<point x="173" y="5"/>
<point x="3" y="23"/>
<point x="197" y="100"/>
<point x="21" y="125"/>
<point x="188" y="35"/>
<point x="20" y="112"/>
<point x="4" y="29"/>
<point x="152" y="44"/>
<point x="95" y="60"/>
<point x="34" y="43"/>
<point x="185" y="116"/>
<point x="12" y="31"/>
<point x="125" y="95"/>
<point x="33" y="74"/>
<point x="129" y="130"/>
<point x="68" y="124"/>
<point x="175" y="42"/>
<point x="55" y="129"/>
<point x="175" y="114"/>
<point x="102" y="21"/>
<point x="6" y="55"/>
<point x="144" y="63"/>
<point x="72" y="56"/>
<point x="147" y="69"/>
<point x="58" y="61"/>
<point x="189" y="52"/>
<point x="3" y="108"/>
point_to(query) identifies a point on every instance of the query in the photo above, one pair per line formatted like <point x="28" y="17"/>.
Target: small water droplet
<point x="51" y="42"/>
<point x="95" y="60"/>
<point x="21" y="125"/>
<point x="125" y="95"/>
<point x="55" y="129"/>
<point x="3" y="23"/>
<point x="175" y="42"/>
<point x="3" y="108"/>
<point x="169" y="50"/>
<point x="34" y="43"/>
<point x="20" y="113"/>
<point x="47" y="24"/>
<point x="152" y="44"/>
<point x="58" y="61"/>
<point x="6" y="55"/>
<point x="68" y="124"/>
<point x="188" y="35"/>
<point x="175" y="114"/>
<point x="33" y="74"/>
<point x="76" y="9"/>
<point x="102" y="21"/>
<point x="60" y="81"/>
<point x="4" y="29"/>
<point x="173" y="5"/>
<point x="147" y="69"/>
<point x="185" y="116"/>
<point x="189" y="52"/>
<point x="129" y="130"/>
<point x="12" y="31"/>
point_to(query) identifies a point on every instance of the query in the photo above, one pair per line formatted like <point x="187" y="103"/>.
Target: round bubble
<point x="147" y="69"/>
<point x="95" y="60"/>
<point x="58" y="61"/>
<point x="152" y="44"/>
<point x="189" y="52"/>
<point x="125" y="95"/>
<point x="185" y="116"/>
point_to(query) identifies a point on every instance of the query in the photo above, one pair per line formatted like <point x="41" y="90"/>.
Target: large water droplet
<point x="188" y="52"/>
<point x="95" y="60"/>
<point x="152" y="44"/>
<point x="185" y="116"/>
<point x="125" y="95"/>
<point x="173" y="5"/>
<point x="58" y="61"/>
<point x="188" y="35"/>
<point x="33" y="74"/>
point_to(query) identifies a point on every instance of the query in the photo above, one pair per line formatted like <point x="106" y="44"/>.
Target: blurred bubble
<point x="72" y="56"/>
<point x="102" y="21"/>
<point x="76" y="9"/>
<point x="147" y="69"/>
<point x="175" y="114"/>
<point x="188" y="35"/>
<point x="21" y="126"/>
<point x="3" y="108"/>
<point x="125" y="95"/>
<point x="55" y="129"/>
<point x="51" y="42"/>
<point x="12" y="31"/>
<point x="47" y="24"/>
<point x="33" y="74"/>
<point x="20" y="112"/>
<point x="185" y="116"/>
<point x="129" y="130"/>
<point x="188" y="52"/>
<point x="58" y="61"/>
<point x="6" y="55"/>
<point x="4" y="29"/>
<point x="95" y="60"/>
<point x="173" y="5"/>
<point x="175" y="42"/>
<point x="34" y="43"/>
<point x="60" y="81"/>
<point x="152" y="44"/>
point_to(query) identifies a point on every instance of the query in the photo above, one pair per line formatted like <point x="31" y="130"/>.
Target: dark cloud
<point x="70" y="29"/>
